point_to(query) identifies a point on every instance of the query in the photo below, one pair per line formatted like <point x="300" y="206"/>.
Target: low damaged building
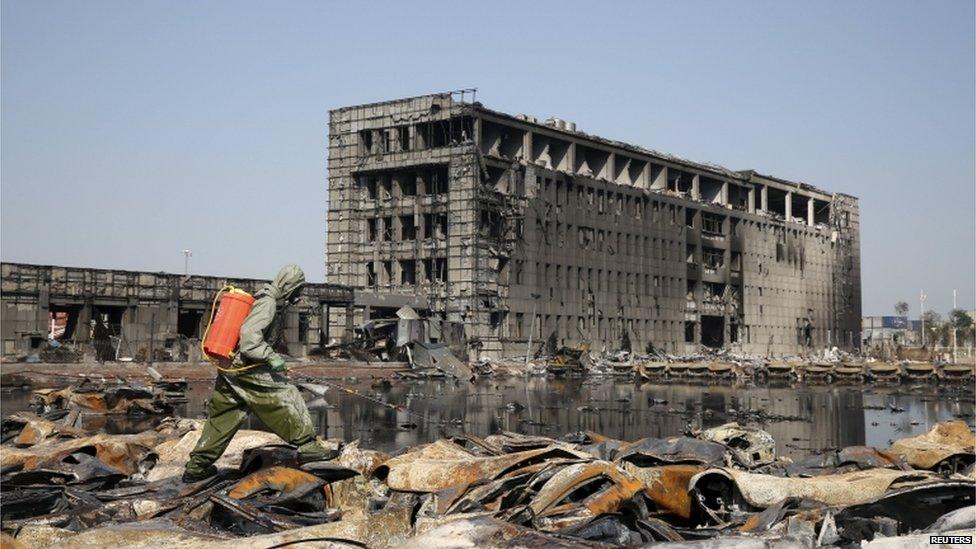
<point x="517" y="230"/>
<point x="115" y="314"/>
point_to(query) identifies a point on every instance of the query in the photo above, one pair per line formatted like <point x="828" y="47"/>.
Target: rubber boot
<point x="313" y="451"/>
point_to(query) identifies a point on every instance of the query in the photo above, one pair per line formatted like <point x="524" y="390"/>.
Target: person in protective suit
<point x="255" y="382"/>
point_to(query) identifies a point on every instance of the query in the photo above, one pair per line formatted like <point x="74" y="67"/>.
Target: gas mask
<point x="296" y="295"/>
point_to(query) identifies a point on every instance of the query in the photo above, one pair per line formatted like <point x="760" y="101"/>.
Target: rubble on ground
<point x="402" y="339"/>
<point x="947" y="447"/>
<point x="751" y="447"/>
<point x="106" y="398"/>
<point x="65" y="487"/>
<point x="571" y="361"/>
<point x="436" y="360"/>
<point x="711" y="365"/>
<point x="373" y="341"/>
<point x="52" y="351"/>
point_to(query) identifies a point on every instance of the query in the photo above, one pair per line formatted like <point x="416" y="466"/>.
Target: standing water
<point x="802" y="419"/>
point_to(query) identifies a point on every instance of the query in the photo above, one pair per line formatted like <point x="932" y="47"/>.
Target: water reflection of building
<point x="830" y="416"/>
<point x="810" y="418"/>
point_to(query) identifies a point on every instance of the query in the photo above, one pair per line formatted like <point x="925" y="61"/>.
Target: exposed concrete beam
<point x="661" y="181"/>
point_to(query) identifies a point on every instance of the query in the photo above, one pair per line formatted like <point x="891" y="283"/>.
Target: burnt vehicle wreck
<point x="69" y="488"/>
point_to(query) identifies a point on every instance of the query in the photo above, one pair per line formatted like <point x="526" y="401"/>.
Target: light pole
<point x="921" y="313"/>
<point x="952" y="319"/>
<point x="187" y="254"/>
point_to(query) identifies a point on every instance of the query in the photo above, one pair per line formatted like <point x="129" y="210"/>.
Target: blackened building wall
<point x="158" y="313"/>
<point x="515" y="229"/>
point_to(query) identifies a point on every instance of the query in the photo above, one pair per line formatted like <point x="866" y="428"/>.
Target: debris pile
<point x="722" y="364"/>
<point x="570" y="361"/>
<point x="403" y="339"/>
<point x="436" y="360"/>
<point x="51" y="351"/>
<point x="373" y="341"/>
<point x="67" y="488"/>
<point x="103" y="398"/>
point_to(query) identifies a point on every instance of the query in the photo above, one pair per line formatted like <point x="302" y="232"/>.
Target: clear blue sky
<point x="132" y="130"/>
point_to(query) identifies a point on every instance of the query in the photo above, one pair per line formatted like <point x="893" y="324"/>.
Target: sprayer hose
<point x="213" y="311"/>
<point x="341" y="388"/>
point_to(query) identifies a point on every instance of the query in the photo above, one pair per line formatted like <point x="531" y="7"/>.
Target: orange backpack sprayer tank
<point x="224" y="329"/>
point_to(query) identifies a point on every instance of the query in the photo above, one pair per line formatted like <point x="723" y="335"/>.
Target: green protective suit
<point x="266" y="393"/>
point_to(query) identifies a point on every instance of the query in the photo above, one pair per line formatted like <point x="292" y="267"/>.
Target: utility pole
<point x="921" y="313"/>
<point x="187" y="254"/>
<point x="951" y="319"/>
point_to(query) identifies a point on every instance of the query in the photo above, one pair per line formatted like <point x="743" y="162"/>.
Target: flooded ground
<point x="800" y="418"/>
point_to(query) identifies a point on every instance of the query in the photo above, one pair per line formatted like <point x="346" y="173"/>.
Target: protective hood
<point x="289" y="279"/>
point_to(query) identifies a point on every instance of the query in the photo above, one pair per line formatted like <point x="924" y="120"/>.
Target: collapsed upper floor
<point x="408" y="130"/>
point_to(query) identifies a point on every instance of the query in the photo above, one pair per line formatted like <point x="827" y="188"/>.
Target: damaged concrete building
<point x="124" y="314"/>
<point x="519" y="230"/>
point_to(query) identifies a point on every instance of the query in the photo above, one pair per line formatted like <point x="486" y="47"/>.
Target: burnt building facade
<point x="116" y="314"/>
<point x="516" y="230"/>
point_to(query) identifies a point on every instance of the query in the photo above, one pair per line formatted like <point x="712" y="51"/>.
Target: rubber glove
<point x="277" y="363"/>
